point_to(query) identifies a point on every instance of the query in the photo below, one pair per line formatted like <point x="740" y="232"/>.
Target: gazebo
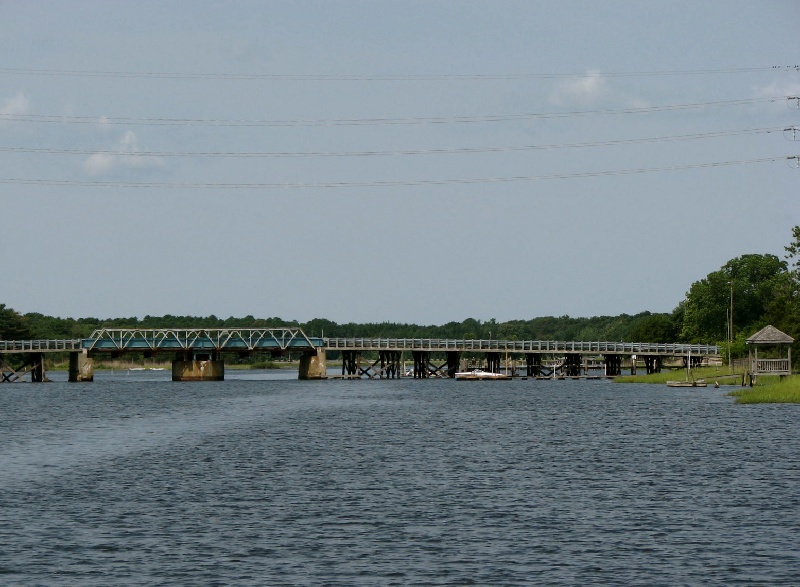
<point x="769" y="336"/>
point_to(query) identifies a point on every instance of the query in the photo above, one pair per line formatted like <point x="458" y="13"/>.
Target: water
<point x="136" y="480"/>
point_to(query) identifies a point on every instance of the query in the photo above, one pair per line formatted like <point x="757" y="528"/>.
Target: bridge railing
<point x="39" y="346"/>
<point x="519" y="346"/>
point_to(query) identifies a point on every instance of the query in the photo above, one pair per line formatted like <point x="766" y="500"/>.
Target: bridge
<point x="198" y="354"/>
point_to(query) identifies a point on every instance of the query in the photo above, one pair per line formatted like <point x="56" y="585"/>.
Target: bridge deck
<point x="294" y="339"/>
<point x="39" y="346"/>
<point x="519" y="346"/>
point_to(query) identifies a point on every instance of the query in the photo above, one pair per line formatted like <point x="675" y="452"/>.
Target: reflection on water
<point x="134" y="479"/>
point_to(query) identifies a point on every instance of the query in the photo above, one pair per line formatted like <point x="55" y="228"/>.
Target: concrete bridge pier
<point x="192" y="366"/>
<point x="81" y="367"/>
<point x="313" y="366"/>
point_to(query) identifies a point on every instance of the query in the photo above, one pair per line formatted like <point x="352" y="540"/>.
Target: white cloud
<point x="16" y="105"/>
<point x="591" y="88"/>
<point x="126" y="155"/>
<point x="776" y="89"/>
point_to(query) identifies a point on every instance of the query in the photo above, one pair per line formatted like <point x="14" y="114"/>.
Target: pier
<point x="198" y="354"/>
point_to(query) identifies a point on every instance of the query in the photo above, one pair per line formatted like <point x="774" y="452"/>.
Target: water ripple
<point x="395" y="483"/>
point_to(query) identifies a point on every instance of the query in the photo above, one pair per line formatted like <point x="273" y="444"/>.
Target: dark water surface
<point x="135" y="480"/>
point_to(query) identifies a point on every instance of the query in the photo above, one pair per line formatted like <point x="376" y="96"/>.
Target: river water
<point x="265" y="480"/>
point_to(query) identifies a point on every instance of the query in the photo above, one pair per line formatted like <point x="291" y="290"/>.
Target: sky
<point x="410" y="161"/>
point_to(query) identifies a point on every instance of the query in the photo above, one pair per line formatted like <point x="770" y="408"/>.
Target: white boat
<point x="479" y="375"/>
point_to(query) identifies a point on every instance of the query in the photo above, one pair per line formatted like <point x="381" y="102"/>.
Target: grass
<point x="710" y="374"/>
<point x="770" y="390"/>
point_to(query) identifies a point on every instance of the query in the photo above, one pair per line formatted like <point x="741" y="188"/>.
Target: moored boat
<point x="696" y="383"/>
<point x="480" y="375"/>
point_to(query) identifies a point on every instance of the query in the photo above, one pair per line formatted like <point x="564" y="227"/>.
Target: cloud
<point x="591" y="88"/>
<point x="16" y="105"/>
<point x="125" y="156"/>
<point x="775" y="89"/>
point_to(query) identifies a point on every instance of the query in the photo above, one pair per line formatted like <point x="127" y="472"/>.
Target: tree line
<point x="763" y="289"/>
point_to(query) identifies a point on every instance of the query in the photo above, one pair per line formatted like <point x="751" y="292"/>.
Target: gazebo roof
<point x="770" y="335"/>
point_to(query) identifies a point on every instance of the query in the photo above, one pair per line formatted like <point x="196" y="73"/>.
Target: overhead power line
<point x="443" y="151"/>
<point x="381" y="77"/>
<point x="378" y="184"/>
<point x="131" y="121"/>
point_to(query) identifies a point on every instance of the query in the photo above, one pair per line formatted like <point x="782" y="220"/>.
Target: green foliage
<point x="655" y="328"/>
<point x="13" y="326"/>
<point x="754" y="279"/>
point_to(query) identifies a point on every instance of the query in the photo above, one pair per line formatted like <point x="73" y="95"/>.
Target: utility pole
<point x="730" y="331"/>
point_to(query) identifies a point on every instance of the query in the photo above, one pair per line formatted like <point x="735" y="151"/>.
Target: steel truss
<point x="240" y="340"/>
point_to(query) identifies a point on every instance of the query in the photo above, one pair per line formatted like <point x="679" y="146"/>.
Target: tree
<point x="13" y="325"/>
<point x="794" y="252"/>
<point x="754" y="280"/>
<point x="654" y="328"/>
<point x="783" y="311"/>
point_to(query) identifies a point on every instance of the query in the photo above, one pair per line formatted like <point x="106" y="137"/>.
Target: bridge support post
<point x="493" y="362"/>
<point x="81" y="367"/>
<point x="390" y="364"/>
<point x="349" y="362"/>
<point x="652" y="363"/>
<point x="190" y="366"/>
<point x="312" y="365"/>
<point x="420" y="364"/>
<point x="453" y="360"/>
<point x="533" y="365"/>
<point x="572" y="365"/>
<point x="37" y="368"/>
<point x="613" y="365"/>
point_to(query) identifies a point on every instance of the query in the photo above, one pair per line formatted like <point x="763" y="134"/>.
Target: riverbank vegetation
<point x="770" y="390"/>
<point x="712" y="375"/>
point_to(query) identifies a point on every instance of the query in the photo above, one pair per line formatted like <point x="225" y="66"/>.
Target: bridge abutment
<point x="81" y="367"/>
<point x="198" y="367"/>
<point x="313" y="365"/>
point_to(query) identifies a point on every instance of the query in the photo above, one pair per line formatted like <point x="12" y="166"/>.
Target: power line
<point x="381" y="77"/>
<point x="378" y="184"/>
<point x="131" y="121"/>
<point x="443" y="151"/>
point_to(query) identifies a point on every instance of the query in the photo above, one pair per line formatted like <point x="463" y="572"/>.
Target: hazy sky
<point x="413" y="161"/>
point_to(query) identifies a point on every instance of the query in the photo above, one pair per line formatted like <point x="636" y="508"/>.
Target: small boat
<point x="480" y="375"/>
<point x="695" y="383"/>
<point x="689" y="381"/>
